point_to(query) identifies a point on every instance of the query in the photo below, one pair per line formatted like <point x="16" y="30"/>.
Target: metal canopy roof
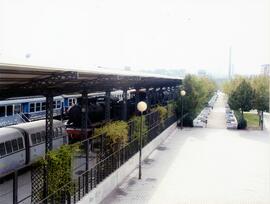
<point x="27" y="80"/>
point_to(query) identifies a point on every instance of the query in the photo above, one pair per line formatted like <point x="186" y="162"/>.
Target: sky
<point x="141" y="34"/>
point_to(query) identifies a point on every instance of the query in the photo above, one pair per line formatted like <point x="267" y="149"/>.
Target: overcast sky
<point x="142" y="34"/>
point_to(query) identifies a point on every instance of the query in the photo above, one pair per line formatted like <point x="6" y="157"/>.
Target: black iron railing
<point x="101" y="164"/>
<point x="86" y="181"/>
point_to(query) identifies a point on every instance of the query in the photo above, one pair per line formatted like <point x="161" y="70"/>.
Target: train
<point x="20" y="110"/>
<point x="22" y="144"/>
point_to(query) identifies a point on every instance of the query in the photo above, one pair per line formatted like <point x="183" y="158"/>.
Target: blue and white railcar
<point x="19" y="110"/>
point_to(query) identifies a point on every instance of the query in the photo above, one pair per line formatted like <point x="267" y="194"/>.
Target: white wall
<point x="104" y="188"/>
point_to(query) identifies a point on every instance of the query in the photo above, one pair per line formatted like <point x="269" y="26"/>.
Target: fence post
<point x="15" y="187"/>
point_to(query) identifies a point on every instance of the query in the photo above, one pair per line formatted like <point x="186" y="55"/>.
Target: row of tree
<point x="247" y="93"/>
<point x="199" y="90"/>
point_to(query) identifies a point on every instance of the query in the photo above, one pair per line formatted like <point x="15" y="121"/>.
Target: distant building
<point x="202" y="73"/>
<point x="265" y="69"/>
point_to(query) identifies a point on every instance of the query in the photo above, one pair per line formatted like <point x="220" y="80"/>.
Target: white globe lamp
<point x="183" y="92"/>
<point x="142" y="106"/>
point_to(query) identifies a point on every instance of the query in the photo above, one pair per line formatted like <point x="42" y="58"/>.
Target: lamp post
<point x="182" y="93"/>
<point x="141" y="106"/>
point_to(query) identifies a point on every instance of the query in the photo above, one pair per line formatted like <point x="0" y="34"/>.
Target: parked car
<point x="199" y="123"/>
<point x="232" y="124"/>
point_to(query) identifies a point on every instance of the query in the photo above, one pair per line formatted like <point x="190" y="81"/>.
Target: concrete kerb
<point x="104" y="188"/>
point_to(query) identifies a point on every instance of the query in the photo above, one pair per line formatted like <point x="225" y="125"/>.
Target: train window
<point x="43" y="136"/>
<point x="2" y="111"/>
<point x="8" y="147"/>
<point x="2" y="149"/>
<point x="17" y="108"/>
<point x="38" y="136"/>
<point x="43" y="106"/>
<point x="38" y="107"/>
<point x="58" y="104"/>
<point x="14" y="145"/>
<point x="20" y="143"/>
<point x="9" y="110"/>
<point x="33" y="138"/>
<point x="32" y="107"/>
<point x="54" y="104"/>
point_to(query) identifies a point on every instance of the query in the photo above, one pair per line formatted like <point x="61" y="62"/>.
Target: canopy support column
<point x="124" y="114"/>
<point x="147" y="98"/>
<point x="107" y="106"/>
<point x="84" y="124"/>
<point x="48" y="138"/>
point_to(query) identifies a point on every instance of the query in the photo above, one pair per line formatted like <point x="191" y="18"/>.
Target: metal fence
<point x="100" y="162"/>
<point x="87" y="180"/>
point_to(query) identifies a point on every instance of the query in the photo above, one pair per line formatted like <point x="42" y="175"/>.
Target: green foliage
<point x="117" y="131"/>
<point x="162" y="112"/>
<point x="242" y="97"/>
<point x="171" y="106"/>
<point x="260" y="95"/>
<point x="229" y="86"/>
<point x="199" y="90"/>
<point x="260" y="85"/>
<point x="137" y="124"/>
<point x="59" y="165"/>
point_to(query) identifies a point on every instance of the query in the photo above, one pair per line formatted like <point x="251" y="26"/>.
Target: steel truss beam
<point x="53" y="80"/>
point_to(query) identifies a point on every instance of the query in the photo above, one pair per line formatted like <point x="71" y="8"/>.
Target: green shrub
<point x="162" y="113"/>
<point x="171" y="108"/>
<point x="59" y="166"/>
<point x="117" y="131"/>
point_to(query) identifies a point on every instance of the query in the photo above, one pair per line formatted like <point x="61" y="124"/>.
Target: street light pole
<point x="182" y="93"/>
<point x="181" y="112"/>
<point x="140" y="153"/>
<point x="141" y="106"/>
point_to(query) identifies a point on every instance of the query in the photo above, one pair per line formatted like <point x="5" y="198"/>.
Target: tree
<point x="242" y="97"/>
<point x="261" y="96"/>
<point x="229" y="86"/>
<point x="199" y="90"/>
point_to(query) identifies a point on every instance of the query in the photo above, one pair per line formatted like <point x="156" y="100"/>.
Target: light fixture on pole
<point x="141" y="106"/>
<point x="182" y="93"/>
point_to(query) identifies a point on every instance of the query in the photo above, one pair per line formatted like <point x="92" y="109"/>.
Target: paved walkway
<point x="202" y="166"/>
<point x="216" y="118"/>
